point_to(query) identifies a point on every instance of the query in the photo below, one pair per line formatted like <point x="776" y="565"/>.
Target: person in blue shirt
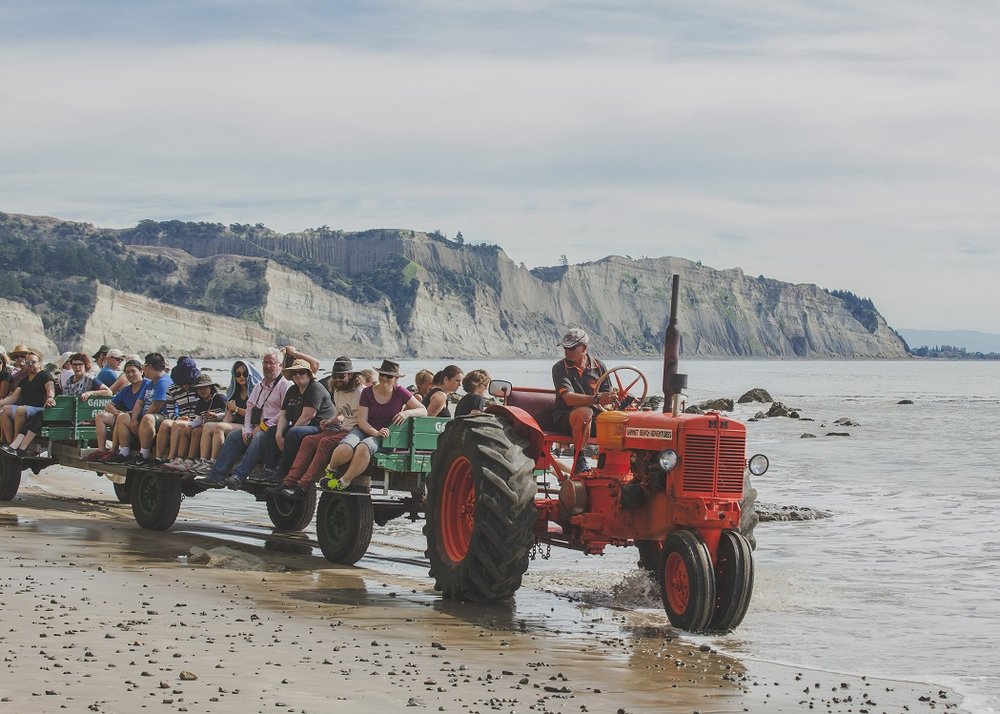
<point x="110" y="374"/>
<point x="118" y="414"/>
<point x="148" y="414"/>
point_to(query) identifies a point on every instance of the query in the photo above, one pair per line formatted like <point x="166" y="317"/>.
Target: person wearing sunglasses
<point x="80" y="383"/>
<point x="243" y="378"/>
<point x="306" y="404"/>
<point x="33" y="393"/>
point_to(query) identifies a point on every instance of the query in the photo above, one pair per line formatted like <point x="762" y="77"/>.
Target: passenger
<point x="369" y="377"/>
<point x="575" y="377"/>
<point x="244" y="377"/>
<point x="185" y="439"/>
<point x="474" y="401"/>
<point x="316" y="450"/>
<point x="446" y="383"/>
<point x="80" y="383"/>
<point x="110" y="373"/>
<point x="180" y="410"/>
<point x="147" y="414"/>
<point x="255" y="441"/>
<point x="306" y="404"/>
<point x="380" y="406"/>
<point x="5" y="376"/>
<point x="62" y="372"/>
<point x="10" y="423"/>
<point x="33" y="393"/>
<point x="422" y="383"/>
<point x="119" y="407"/>
<point x="99" y="358"/>
<point x="290" y="354"/>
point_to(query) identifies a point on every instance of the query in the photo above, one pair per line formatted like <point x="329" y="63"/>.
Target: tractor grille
<point x="713" y="464"/>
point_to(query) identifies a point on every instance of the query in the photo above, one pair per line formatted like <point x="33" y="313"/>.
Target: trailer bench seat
<point x="410" y="444"/>
<point x="71" y="420"/>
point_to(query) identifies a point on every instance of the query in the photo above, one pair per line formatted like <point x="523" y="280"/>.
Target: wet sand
<point x="100" y="615"/>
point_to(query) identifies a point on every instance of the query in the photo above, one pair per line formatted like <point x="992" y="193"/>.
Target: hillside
<point x="217" y="290"/>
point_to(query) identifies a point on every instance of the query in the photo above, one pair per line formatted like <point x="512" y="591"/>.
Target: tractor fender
<point x="524" y="425"/>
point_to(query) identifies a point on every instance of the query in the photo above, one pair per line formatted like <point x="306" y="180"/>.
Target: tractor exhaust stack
<point x="673" y="383"/>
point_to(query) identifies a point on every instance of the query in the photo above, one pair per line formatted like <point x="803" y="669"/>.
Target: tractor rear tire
<point x="156" y="499"/>
<point x="480" y="510"/>
<point x="10" y="478"/>
<point x="344" y="526"/>
<point x="289" y="514"/>
<point x="748" y="513"/>
<point x="687" y="581"/>
<point x="733" y="582"/>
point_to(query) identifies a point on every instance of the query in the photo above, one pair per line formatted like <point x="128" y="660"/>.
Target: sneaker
<point x="184" y="466"/>
<point x="98" y="455"/>
<point x="201" y="466"/>
<point x="8" y="449"/>
<point x="233" y="483"/>
<point x="264" y="475"/>
<point x="210" y="482"/>
<point x="139" y="462"/>
<point x="295" y="493"/>
<point x="118" y="458"/>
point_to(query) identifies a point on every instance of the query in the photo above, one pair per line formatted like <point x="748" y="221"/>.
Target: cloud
<point x="849" y="145"/>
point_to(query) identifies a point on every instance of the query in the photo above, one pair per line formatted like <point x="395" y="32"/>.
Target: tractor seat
<point x="539" y="404"/>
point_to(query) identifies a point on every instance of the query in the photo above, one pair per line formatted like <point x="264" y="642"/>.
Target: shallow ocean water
<point x="902" y="581"/>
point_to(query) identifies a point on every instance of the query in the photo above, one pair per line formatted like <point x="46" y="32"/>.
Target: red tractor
<point x="672" y="484"/>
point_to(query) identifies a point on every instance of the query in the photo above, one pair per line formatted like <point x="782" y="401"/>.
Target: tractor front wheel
<point x="687" y="581"/>
<point x="733" y="582"/>
<point x="480" y="510"/>
<point x="650" y="555"/>
<point x="344" y="526"/>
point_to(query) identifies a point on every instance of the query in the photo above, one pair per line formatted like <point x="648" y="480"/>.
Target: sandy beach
<point x="102" y="616"/>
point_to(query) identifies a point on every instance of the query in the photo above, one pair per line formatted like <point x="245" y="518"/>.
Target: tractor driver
<point x="575" y="377"/>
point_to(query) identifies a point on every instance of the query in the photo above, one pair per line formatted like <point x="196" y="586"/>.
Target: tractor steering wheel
<point x="622" y="392"/>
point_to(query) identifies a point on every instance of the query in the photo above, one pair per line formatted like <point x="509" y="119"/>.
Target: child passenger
<point x="474" y="401"/>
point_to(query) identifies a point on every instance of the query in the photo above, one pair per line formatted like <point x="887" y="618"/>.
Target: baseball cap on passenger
<point x="115" y="354"/>
<point x="574" y="337"/>
<point x="102" y="351"/>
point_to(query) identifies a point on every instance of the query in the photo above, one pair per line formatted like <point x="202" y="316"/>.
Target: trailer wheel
<point x="123" y="491"/>
<point x="650" y="555"/>
<point x="10" y="478"/>
<point x="344" y="527"/>
<point x="748" y="513"/>
<point x="291" y="514"/>
<point x="687" y="582"/>
<point x="733" y="582"/>
<point x="156" y="499"/>
<point x="480" y="510"/>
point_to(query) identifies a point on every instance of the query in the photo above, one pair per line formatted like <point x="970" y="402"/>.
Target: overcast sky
<point x="852" y="144"/>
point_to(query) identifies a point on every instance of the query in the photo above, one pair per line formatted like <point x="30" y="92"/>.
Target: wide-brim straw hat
<point x="297" y="366"/>
<point x="19" y="351"/>
<point x="389" y="367"/>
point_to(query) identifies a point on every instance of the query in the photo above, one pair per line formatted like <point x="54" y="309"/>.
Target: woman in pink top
<point x="381" y="405"/>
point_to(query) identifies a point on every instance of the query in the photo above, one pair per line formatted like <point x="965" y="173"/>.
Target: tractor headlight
<point x="758" y="464"/>
<point x="668" y="460"/>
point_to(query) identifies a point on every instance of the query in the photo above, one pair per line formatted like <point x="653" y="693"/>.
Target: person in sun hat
<point x="185" y="436"/>
<point x="29" y="399"/>
<point x="575" y="377"/>
<point x="246" y="447"/>
<point x="315" y="451"/>
<point x="380" y="406"/>
<point x="306" y="405"/>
